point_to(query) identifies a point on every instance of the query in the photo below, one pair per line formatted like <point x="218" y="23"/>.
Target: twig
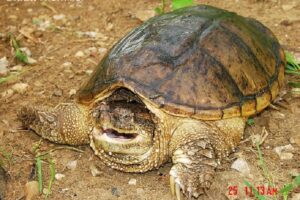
<point x="59" y="148"/>
<point x="27" y="35"/>
<point x="48" y="6"/>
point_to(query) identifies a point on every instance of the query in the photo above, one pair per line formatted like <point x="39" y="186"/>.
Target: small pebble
<point x="7" y="93"/>
<point x="57" y="92"/>
<point x="26" y="51"/>
<point x="89" y="72"/>
<point x="45" y="191"/>
<point x="20" y="87"/>
<point x="95" y="171"/>
<point x="3" y="67"/>
<point x="16" y="68"/>
<point x="115" y="192"/>
<point x="79" y="54"/>
<point x="295" y="140"/>
<point x="58" y="17"/>
<point x="59" y="176"/>
<point x="72" y="164"/>
<point x="31" y="190"/>
<point x="12" y="17"/>
<point x="90" y="51"/>
<point x="283" y="152"/>
<point x="67" y="64"/>
<point x="102" y="50"/>
<point x="109" y="27"/>
<point x="132" y="181"/>
<point x="72" y="92"/>
<point x="241" y="165"/>
<point x="294" y="172"/>
<point x="31" y="61"/>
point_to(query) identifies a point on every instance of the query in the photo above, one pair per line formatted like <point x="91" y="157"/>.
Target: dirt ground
<point x="55" y="40"/>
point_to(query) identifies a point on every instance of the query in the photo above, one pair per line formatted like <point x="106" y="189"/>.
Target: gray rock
<point x="241" y="165"/>
<point x="115" y="191"/>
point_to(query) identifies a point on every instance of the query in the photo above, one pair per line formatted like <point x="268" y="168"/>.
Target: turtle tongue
<point x="115" y="134"/>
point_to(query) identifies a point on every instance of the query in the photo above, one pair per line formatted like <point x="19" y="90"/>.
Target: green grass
<point x="250" y="121"/>
<point x="176" y="4"/>
<point x="284" y="191"/>
<point x="22" y="57"/>
<point x="45" y="156"/>
<point x="39" y="158"/>
<point x="6" y="157"/>
<point x="290" y="187"/>
<point x="292" y="68"/>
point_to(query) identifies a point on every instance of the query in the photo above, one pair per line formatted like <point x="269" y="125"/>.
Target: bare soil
<point x="50" y="81"/>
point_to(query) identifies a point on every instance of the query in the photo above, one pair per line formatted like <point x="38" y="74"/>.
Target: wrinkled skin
<point x="131" y="135"/>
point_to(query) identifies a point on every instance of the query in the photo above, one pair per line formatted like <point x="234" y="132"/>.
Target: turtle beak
<point x="65" y="124"/>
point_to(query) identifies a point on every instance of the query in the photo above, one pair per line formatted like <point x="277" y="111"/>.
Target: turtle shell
<point x="201" y="62"/>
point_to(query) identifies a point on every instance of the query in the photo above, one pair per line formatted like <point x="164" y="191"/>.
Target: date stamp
<point x="233" y="190"/>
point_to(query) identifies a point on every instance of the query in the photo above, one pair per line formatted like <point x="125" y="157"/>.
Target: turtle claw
<point x="172" y="185"/>
<point x="177" y="191"/>
<point x="175" y="188"/>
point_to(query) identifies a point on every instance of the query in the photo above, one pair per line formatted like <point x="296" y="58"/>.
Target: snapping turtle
<point x="179" y="86"/>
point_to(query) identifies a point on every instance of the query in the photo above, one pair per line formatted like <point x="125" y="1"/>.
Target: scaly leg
<point x="197" y="149"/>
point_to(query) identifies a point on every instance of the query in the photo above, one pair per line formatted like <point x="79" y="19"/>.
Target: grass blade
<point x="52" y="176"/>
<point x="176" y="4"/>
<point x="40" y="176"/>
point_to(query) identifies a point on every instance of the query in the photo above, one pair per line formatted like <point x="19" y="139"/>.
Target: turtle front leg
<point x="67" y="123"/>
<point x="197" y="149"/>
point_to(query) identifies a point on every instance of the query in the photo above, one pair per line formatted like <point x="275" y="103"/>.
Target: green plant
<point x="284" y="191"/>
<point x="39" y="158"/>
<point x="45" y="156"/>
<point x="292" y="67"/>
<point x="250" y="121"/>
<point x="6" y="157"/>
<point x="18" y="53"/>
<point x="290" y="187"/>
<point x="176" y="4"/>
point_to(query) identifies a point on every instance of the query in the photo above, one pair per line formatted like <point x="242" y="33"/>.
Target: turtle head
<point x="67" y="123"/>
<point x="127" y="136"/>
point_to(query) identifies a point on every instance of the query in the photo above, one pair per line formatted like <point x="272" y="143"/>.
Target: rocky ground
<point x="65" y="41"/>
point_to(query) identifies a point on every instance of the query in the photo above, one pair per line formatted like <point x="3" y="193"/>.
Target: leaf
<point x="250" y="121"/>
<point x="176" y="4"/>
<point x="21" y="56"/>
<point x="292" y="84"/>
<point x="292" y="72"/>
<point x="287" y="188"/>
<point x="297" y="180"/>
<point x="158" y="11"/>
<point x="291" y="60"/>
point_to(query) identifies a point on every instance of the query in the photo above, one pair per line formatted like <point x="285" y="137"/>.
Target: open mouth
<point x="111" y="133"/>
